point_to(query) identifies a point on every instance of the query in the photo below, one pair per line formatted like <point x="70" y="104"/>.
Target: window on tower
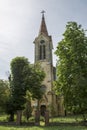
<point x="44" y="55"/>
<point x="42" y="50"/>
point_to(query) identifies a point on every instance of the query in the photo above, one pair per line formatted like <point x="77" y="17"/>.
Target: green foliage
<point x="24" y="76"/>
<point x="18" y="88"/>
<point x="72" y="68"/>
<point x="28" y="109"/>
<point x="4" y="94"/>
<point x="37" y="76"/>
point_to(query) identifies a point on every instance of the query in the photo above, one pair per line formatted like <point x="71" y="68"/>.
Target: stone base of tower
<point x="50" y="103"/>
<point x="56" y="107"/>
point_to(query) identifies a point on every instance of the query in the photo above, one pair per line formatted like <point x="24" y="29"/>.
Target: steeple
<point x="43" y="28"/>
<point x="43" y="43"/>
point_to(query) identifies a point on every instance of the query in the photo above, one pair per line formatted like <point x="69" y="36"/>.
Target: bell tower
<point x="43" y="55"/>
<point x="43" y="43"/>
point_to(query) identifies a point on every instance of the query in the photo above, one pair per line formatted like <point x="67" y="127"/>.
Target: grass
<point x="45" y="128"/>
<point x="69" y="119"/>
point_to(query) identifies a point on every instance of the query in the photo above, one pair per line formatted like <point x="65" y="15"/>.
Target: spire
<point x="43" y="28"/>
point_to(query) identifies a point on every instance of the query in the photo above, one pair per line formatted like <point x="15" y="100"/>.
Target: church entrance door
<point x="43" y="110"/>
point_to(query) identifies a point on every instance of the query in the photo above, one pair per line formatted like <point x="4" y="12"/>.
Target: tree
<point x="24" y="76"/>
<point x="36" y="78"/>
<point x="28" y="108"/>
<point x="72" y="68"/>
<point x="18" y="67"/>
<point x="4" y="94"/>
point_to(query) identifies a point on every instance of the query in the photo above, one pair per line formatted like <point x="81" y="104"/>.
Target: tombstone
<point x="19" y="115"/>
<point x="37" y="118"/>
<point x="46" y="118"/>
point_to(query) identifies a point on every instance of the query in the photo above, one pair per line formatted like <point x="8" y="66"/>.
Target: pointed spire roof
<point x="43" y="28"/>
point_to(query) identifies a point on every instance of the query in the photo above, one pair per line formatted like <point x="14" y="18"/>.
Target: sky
<point x="20" y="23"/>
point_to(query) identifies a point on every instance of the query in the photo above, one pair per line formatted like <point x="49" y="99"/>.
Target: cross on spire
<point x="43" y="12"/>
<point x="43" y="28"/>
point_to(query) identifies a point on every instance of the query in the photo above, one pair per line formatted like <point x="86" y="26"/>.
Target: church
<point x="43" y="54"/>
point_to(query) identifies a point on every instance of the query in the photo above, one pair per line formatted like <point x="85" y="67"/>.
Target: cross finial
<point x="43" y="13"/>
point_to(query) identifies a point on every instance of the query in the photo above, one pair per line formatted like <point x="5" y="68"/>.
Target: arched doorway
<point x="42" y="110"/>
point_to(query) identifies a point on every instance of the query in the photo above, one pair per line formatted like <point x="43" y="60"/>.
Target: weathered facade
<point x="43" y="54"/>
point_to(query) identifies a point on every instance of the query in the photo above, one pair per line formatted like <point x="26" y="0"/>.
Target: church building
<point x="43" y="54"/>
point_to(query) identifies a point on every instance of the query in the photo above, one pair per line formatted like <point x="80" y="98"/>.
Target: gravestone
<point x="46" y="118"/>
<point x="19" y="115"/>
<point x="37" y="118"/>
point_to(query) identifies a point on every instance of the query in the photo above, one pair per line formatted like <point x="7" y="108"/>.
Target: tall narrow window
<point x="42" y="50"/>
<point x="44" y="53"/>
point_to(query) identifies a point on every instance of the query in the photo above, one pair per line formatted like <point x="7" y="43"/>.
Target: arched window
<point x="42" y="50"/>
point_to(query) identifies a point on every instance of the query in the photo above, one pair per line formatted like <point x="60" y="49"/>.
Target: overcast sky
<point x="20" y="22"/>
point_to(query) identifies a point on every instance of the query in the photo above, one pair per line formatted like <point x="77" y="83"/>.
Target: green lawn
<point x="45" y="128"/>
<point x="70" y="119"/>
